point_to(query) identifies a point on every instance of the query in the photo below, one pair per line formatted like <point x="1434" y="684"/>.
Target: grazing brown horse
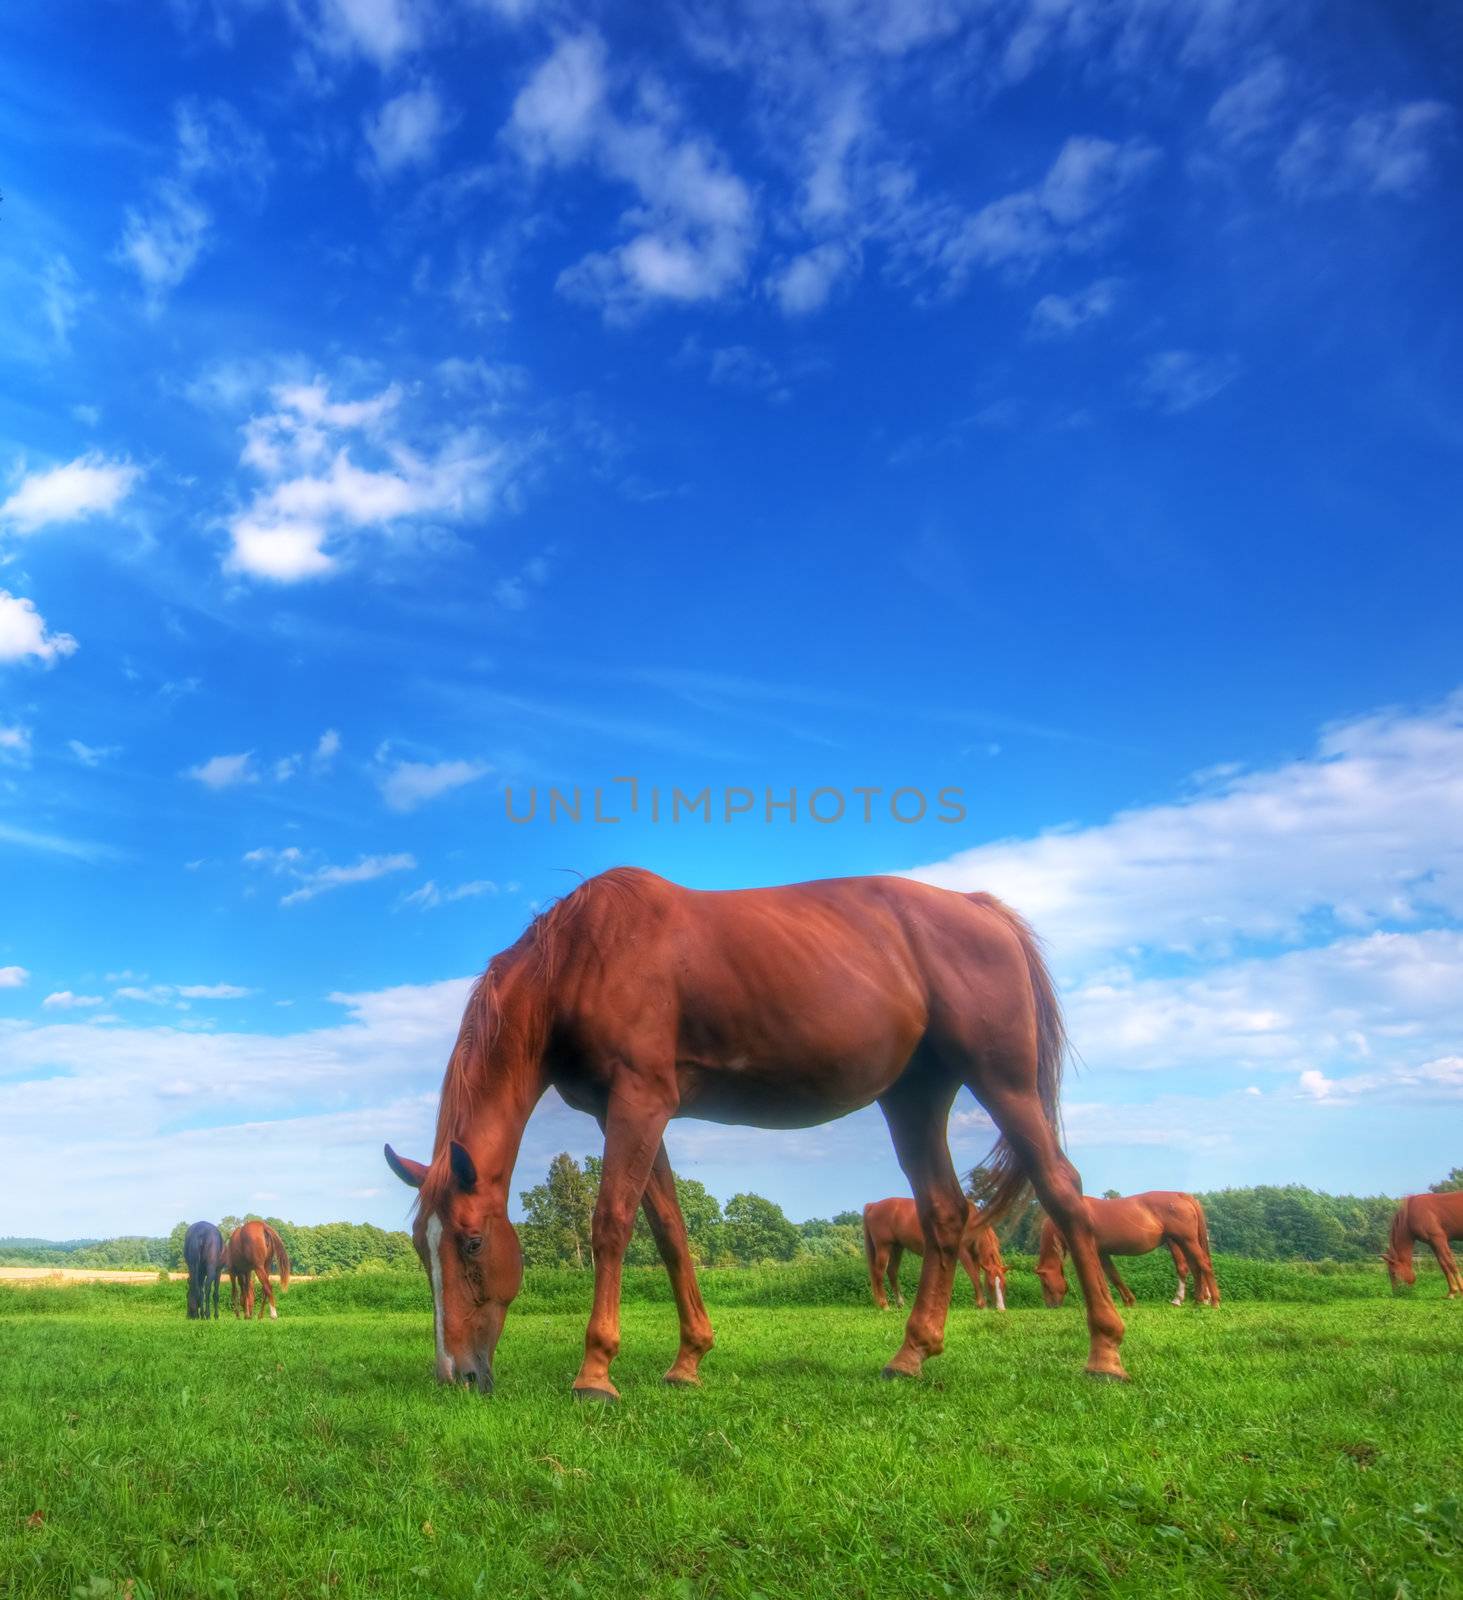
<point x="639" y="1000"/>
<point x="253" y="1248"/>
<point x="1132" y="1226"/>
<point x="1432" y="1219"/>
<point x="892" y="1226"/>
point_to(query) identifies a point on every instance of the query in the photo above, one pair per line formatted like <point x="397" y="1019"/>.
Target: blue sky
<point x="403" y="402"/>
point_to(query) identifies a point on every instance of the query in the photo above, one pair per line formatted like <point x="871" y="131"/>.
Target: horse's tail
<point x="868" y="1237"/>
<point x="1399" y="1245"/>
<point x="1005" y="1181"/>
<point x="279" y="1255"/>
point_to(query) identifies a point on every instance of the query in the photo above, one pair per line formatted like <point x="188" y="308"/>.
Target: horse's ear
<point x="410" y="1172"/>
<point x="464" y="1173"/>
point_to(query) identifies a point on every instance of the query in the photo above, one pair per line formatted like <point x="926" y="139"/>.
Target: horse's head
<point x="1399" y="1268"/>
<point x="470" y="1251"/>
<point x="1053" y="1281"/>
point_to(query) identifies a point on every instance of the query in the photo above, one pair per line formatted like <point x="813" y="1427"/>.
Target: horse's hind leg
<point x="663" y="1213"/>
<point x="1018" y="1113"/>
<point x="1446" y="1260"/>
<point x="1181" y="1266"/>
<point x="896" y="1257"/>
<point x="917" y="1117"/>
<point x="878" y="1268"/>
<point x="266" y="1293"/>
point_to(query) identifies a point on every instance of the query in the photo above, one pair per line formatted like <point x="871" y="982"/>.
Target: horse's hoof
<point x="603" y="1396"/>
<point x="679" y="1380"/>
<point x="891" y="1372"/>
<point x="1113" y="1374"/>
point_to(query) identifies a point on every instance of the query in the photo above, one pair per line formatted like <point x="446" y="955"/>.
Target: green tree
<point x="756" y="1229"/>
<point x="1450" y="1185"/>
<point x="175" y="1247"/>
<point x="557" y="1215"/>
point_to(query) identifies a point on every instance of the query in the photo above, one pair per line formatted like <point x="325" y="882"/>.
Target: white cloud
<point x="1390" y="152"/>
<point x="1364" y="832"/>
<point x="23" y="632"/>
<point x="285" y="768"/>
<point x="225" y="772"/>
<point x="1055" y="316"/>
<point x="13" y="977"/>
<point x="65" y="1000"/>
<point x="406" y="131"/>
<point x="90" y="755"/>
<point x="1176" y="381"/>
<point x="14" y="745"/>
<point x="61" y="299"/>
<point x="380" y="30"/>
<point x="320" y="880"/>
<point x="411" y="783"/>
<point x="694" y="226"/>
<point x="317" y="499"/>
<point x="90" y="486"/>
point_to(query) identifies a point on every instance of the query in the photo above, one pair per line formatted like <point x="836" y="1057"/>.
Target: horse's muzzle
<point x="476" y="1375"/>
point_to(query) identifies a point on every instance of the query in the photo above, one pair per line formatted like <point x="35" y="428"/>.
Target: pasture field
<point x="1277" y="1447"/>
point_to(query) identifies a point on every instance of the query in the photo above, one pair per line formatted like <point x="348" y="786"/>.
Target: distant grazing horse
<point x="253" y="1248"/>
<point x="639" y="1001"/>
<point x="892" y="1226"/>
<point x="1132" y="1226"/>
<point x="203" y="1252"/>
<point x="1431" y="1219"/>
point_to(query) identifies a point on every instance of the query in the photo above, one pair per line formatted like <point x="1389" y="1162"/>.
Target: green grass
<point x="1307" y="1449"/>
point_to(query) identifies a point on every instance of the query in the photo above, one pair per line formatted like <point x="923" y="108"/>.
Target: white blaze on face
<point x="434" y="1258"/>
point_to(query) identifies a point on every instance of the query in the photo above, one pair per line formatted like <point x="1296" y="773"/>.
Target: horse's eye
<point x="472" y="1244"/>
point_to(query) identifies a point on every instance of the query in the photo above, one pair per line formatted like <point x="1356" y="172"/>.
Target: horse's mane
<point x="585" y="912"/>
<point x="1400" y="1244"/>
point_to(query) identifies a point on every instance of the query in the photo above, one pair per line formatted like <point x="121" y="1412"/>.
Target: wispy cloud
<point x="405" y="133"/>
<point x="321" y="880"/>
<point x="1176" y="381"/>
<point x="164" y="238"/>
<point x="13" y="977"/>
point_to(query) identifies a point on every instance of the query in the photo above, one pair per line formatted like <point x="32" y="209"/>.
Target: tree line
<point x="1266" y="1223"/>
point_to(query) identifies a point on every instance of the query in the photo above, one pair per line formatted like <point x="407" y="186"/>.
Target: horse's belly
<point x="761" y="1097"/>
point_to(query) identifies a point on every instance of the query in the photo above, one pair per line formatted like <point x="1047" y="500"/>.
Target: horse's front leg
<point x="1448" y="1262"/>
<point x="663" y="1213"/>
<point x="972" y="1271"/>
<point x="633" y="1125"/>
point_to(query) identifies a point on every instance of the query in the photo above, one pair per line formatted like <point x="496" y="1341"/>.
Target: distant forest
<point x="1288" y="1223"/>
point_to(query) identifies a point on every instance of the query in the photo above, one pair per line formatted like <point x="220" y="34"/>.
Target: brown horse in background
<point x="253" y="1248"/>
<point x="892" y="1226"/>
<point x="1132" y="1226"/>
<point x="1431" y="1219"/>
<point x="639" y="1001"/>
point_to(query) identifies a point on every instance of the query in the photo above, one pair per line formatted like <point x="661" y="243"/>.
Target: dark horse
<point x="203" y="1251"/>
<point x="1132" y="1225"/>
<point x="892" y="1226"/>
<point x="639" y="1000"/>
<point x="1432" y="1219"/>
<point x="253" y="1248"/>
